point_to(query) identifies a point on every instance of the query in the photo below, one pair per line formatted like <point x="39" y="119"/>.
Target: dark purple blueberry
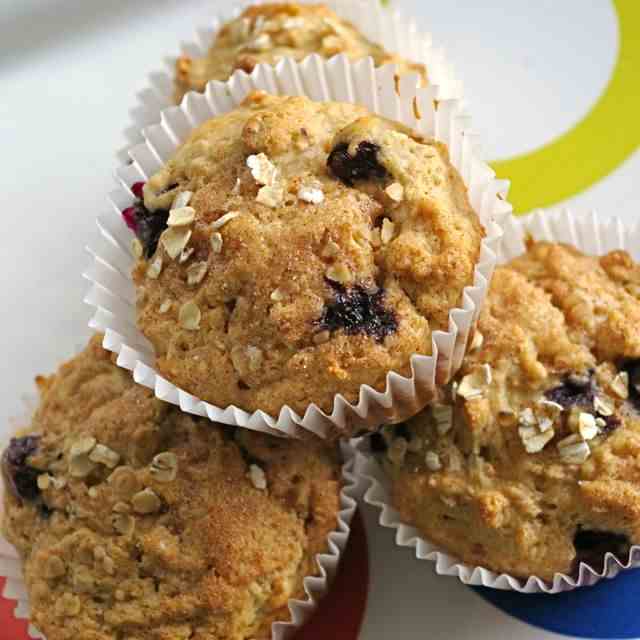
<point x="21" y="478"/>
<point x="575" y="391"/>
<point x="611" y="424"/>
<point x="20" y="449"/>
<point x="402" y="431"/>
<point x="363" y="166"/>
<point x="356" y="310"/>
<point x="249" y="458"/>
<point x="147" y="225"/>
<point x="632" y="367"/>
<point x="44" y="511"/>
<point x="579" y="391"/>
<point x="377" y="443"/>
<point x="591" y="546"/>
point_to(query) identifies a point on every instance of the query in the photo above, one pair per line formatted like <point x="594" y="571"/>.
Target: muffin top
<point x="137" y="521"/>
<point x="531" y="464"/>
<point x="268" y="33"/>
<point x="311" y="248"/>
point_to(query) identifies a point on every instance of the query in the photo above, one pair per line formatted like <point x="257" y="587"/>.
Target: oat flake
<point x="189" y="316"/>
<point x="155" y="268"/>
<point x="174" y="240"/>
<point x="196" y="273"/>
<point x="312" y="195"/>
<point x="216" y="242"/>
<point x="222" y="220"/>
<point x="257" y="477"/>
<point x="181" y="217"/>
<point x="388" y="229"/>
<point x="182" y="199"/>
<point x="395" y="191"/>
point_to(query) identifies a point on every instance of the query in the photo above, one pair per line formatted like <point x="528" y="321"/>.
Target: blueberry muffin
<point x="530" y="463"/>
<point x="270" y="32"/>
<point x="137" y="521"/>
<point x="292" y="250"/>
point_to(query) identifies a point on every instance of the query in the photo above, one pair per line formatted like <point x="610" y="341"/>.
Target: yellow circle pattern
<point x="598" y="144"/>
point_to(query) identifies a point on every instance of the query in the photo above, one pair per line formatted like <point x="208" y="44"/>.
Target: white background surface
<point x="69" y="73"/>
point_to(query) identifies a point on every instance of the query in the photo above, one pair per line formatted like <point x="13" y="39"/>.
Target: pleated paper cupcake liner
<point x="315" y="587"/>
<point x="112" y="291"/>
<point x="390" y="27"/>
<point x="592" y="235"/>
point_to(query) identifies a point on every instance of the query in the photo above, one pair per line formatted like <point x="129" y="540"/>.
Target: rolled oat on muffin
<point x="267" y="33"/>
<point x="292" y="250"/>
<point x="529" y="464"/>
<point x="137" y="521"/>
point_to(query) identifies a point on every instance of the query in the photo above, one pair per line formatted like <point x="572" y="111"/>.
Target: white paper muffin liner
<point x="390" y="27"/>
<point x="112" y="292"/>
<point x="315" y="587"/>
<point x="592" y="235"/>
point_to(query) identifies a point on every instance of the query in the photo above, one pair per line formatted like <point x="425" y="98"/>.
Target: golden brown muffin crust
<point x="324" y="248"/>
<point x="268" y="33"/>
<point x="149" y="524"/>
<point x="534" y="465"/>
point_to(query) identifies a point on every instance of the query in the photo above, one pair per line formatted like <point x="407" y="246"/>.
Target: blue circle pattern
<point x="609" y="610"/>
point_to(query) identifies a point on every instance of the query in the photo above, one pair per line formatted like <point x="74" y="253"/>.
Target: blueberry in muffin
<point x="305" y="249"/>
<point x="530" y="462"/>
<point x="137" y="521"/>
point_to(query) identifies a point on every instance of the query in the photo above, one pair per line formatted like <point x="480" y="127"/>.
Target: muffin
<point x="530" y="462"/>
<point x="137" y="521"/>
<point x="268" y="33"/>
<point x="293" y="250"/>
